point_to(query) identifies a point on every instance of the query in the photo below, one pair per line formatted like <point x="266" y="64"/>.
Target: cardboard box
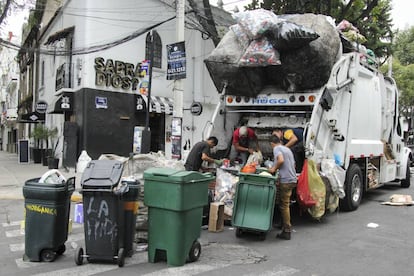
<point x="216" y="218"/>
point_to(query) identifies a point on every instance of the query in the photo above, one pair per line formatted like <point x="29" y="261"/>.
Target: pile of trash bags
<point x="293" y="52"/>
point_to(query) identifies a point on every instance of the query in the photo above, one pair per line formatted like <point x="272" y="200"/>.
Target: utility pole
<point x="178" y="89"/>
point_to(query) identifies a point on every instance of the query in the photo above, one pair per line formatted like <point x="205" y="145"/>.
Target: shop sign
<point x="196" y="108"/>
<point x="176" y="61"/>
<point x="41" y="107"/>
<point x="119" y="74"/>
<point x="140" y="104"/>
<point x="101" y="102"/>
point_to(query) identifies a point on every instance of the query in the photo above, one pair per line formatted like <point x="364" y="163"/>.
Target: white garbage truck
<point x="351" y="118"/>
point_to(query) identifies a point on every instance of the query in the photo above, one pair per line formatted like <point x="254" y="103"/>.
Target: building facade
<point x="92" y="71"/>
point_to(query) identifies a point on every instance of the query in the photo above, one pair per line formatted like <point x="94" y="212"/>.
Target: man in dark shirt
<point x="293" y="139"/>
<point x="199" y="153"/>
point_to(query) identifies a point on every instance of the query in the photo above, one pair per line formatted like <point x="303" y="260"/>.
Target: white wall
<point x="105" y="21"/>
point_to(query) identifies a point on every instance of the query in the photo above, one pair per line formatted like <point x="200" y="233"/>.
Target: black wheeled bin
<point x="130" y="202"/>
<point x="108" y="216"/>
<point x="175" y="201"/>
<point x="47" y="208"/>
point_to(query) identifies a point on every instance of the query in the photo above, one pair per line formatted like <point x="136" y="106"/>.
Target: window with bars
<point x="157" y="49"/>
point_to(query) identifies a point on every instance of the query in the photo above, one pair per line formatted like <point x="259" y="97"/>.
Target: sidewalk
<point x="13" y="175"/>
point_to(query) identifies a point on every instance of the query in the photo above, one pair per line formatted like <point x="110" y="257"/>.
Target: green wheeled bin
<point x="254" y="202"/>
<point x="175" y="201"/>
<point x="47" y="209"/>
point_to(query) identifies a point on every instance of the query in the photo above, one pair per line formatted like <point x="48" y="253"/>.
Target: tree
<point x="371" y="17"/>
<point x="403" y="46"/>
<point x="403" y="68"/>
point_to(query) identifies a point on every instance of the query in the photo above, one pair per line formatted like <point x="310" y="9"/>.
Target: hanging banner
<point x="176" y="69"/>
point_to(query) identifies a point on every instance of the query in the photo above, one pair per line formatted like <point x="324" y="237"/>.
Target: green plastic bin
<point x="175" y="201"/>
<point x="47" y="208"/>
<point x="254" y="202"/>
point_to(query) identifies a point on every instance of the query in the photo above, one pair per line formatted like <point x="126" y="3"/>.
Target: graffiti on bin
<point x="98" y="222"/>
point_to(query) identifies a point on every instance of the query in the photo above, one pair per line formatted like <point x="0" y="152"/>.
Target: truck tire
<point x="353" y="189"/>
<point x="405" y="183"/>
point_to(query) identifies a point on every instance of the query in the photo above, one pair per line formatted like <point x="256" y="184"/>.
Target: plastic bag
<point x="260" y="53"/>
<point x="256" y="22"/>
<point x="288" y="35"/>
<point x="241" y="35"/>
<point x="317" y="190"/>
<point x="336" y="176"/>
<point x="225" y="189"/>
<point x="249" y="168"/>
<point x="83" y="161"/>
<point x="303" y="195"/>
<point x="52" y="177"/>
<point x="255" y="157"/>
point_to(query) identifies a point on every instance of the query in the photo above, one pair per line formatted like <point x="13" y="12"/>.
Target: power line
<point x="86" y="50"/>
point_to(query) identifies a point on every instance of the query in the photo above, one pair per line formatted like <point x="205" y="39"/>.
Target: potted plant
<point x="39" y="134"/>
<point x="52" y="159"/>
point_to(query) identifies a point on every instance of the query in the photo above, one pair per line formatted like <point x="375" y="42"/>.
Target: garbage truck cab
<point x="352" y="119"/>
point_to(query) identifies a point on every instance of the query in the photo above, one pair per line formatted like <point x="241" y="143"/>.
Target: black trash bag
<point x="289" y="36"/>
<point x="308" y="67"/>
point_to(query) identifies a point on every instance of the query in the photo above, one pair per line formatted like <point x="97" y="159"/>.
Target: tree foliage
<point x="371" y="17"/>
<point x="403" y="68"/>
<point x="403" y="46"/>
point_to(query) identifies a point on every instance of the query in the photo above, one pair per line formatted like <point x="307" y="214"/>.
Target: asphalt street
<point x="375" y="239"/>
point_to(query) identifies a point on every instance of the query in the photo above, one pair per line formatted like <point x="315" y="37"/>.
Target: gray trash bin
<point x="103" y="212"/>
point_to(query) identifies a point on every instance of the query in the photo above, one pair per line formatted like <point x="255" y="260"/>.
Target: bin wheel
<point x="61" y="249"/>
<point x="121" y="257"/>
<point x="47" y="255"/>
<point x="195" y="252"/>
<point x="239" y="232"/>
<point x="262" y="236"/>
<point x="79" y="256"/>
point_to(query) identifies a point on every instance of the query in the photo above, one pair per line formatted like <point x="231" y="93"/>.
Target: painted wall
<point x="105" y="22"/>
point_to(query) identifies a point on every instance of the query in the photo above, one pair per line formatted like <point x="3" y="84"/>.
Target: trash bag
<point x="303" y="195"/>
<point x="310" y="66"/>
<point x="256" y="157"/>
<point x="335" y="175"/>
<point x="260" y="53"/>
<point x="317" y="190"/>
<point x="289" y="36"/>
<point x="241" y="35"/>
<point x="256" y="22"/>
<point x="223" y="66"/>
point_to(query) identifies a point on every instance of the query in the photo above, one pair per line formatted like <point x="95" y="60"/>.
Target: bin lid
<point x="170" y="175"/>
<point x="102" y="173"/>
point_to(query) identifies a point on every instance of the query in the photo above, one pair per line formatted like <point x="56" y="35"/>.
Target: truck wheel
<point x="353" y="189"/>
<point x="405" y="183"/>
